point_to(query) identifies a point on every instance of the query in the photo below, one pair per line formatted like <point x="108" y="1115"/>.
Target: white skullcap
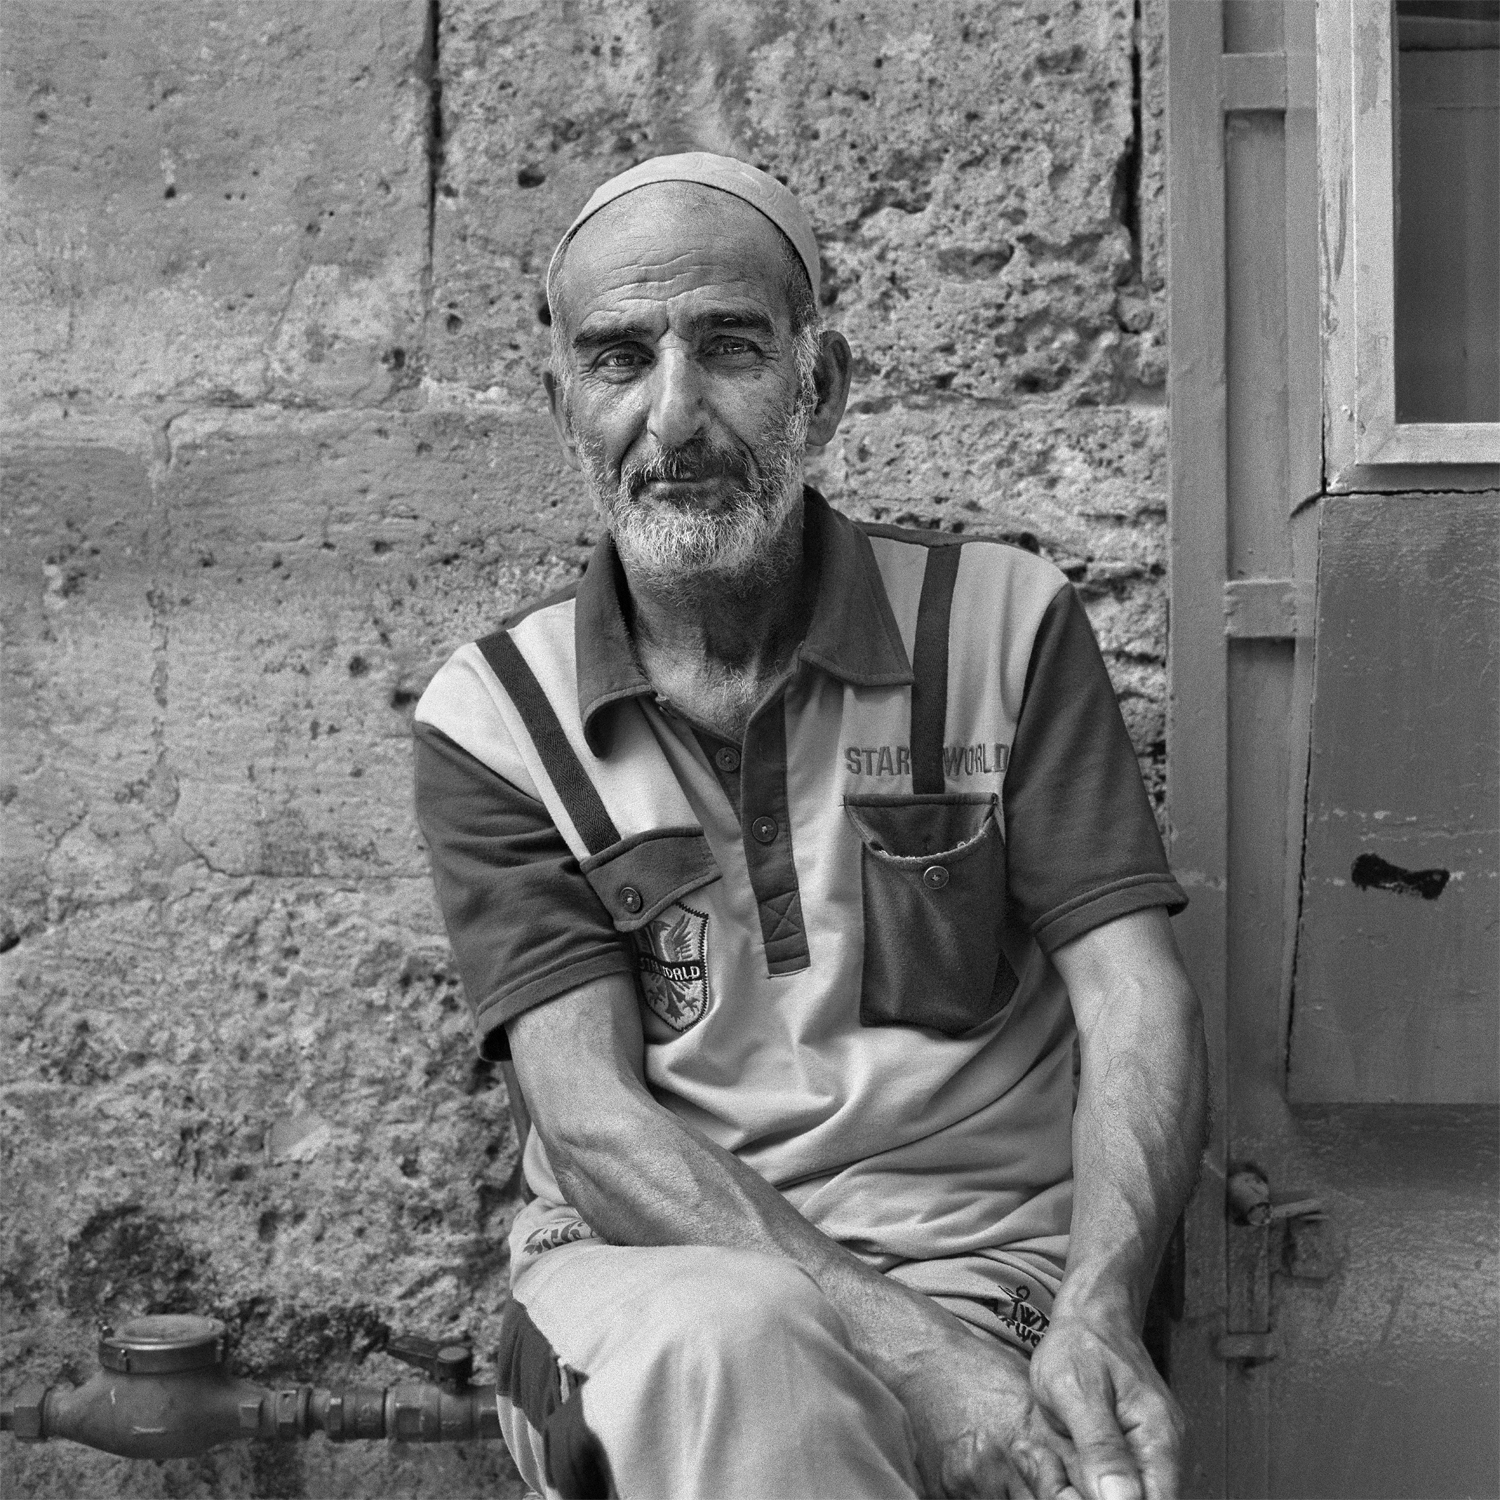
<point x="760" y="190"/>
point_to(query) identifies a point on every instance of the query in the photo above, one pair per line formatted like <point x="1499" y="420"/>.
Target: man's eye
<point x="732" y="346"/>
<point x="620" y="359"/>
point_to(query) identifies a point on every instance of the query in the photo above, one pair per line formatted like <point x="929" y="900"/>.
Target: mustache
<point x="698" y="459"/>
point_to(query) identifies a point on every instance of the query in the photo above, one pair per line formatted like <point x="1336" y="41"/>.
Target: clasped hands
<point x="1087" y="1419"/>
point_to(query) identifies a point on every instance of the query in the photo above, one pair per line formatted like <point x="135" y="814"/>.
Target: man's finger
<point x="976" y="1467"/>
<point x="1159" y="1478"/>
<point x="1157" y="1445"/>
<point x="1107" y="1472"/>
<point x="1102" y="1465"/>
<point x="979" y="1467"/>
<point x="1043" y="1470"/>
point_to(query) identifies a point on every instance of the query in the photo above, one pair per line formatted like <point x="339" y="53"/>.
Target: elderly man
<point x="787" y="860"/>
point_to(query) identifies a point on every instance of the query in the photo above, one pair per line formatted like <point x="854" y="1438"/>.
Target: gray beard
<point x="678" y="552"/>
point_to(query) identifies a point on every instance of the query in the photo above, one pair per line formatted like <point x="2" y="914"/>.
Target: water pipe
<point x="165" y="1391"/>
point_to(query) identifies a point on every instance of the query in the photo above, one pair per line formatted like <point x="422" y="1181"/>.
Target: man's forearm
<point x="642" y="1176"/>
<point x="639" y="1175"/>
<point x="1137" y="1136"/>
<point x="1138" y="1131"/>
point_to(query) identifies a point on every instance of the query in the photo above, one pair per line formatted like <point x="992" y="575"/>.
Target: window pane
<point x="1448" y="211"/>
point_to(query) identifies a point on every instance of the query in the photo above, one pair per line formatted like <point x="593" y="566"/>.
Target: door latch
<point x="1254" y="1223"/>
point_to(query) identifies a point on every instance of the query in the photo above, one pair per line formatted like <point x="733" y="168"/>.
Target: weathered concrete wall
<point x="274" y="446"/>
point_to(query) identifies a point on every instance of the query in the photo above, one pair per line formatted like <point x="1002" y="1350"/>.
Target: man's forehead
<point x="669" y="239"/>
<point x="728" y="175"/>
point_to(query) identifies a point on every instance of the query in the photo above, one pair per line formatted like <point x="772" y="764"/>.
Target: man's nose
<point x="676" y="399"/>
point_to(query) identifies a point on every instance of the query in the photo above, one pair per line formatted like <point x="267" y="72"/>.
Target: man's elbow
<point x="595" y="1137"/>
<point x="583" y="1136"/>
<point x="602" y="1160"/>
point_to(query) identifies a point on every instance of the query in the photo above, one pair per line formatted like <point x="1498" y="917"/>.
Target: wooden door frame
<point x="1197" y="717"/>
<point x="1242" y="569"/>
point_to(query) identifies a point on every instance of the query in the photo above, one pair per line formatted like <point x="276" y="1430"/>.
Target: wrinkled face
<point x="677" y="387"/>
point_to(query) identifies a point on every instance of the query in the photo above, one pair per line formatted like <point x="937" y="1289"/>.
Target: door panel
<point x="1387" y="1310"/>
<point x="1397" y="993"/>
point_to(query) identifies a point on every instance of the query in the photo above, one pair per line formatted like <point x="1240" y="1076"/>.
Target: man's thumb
<point x="1111" y="1484"/>
<point x="1106" y="1468"/>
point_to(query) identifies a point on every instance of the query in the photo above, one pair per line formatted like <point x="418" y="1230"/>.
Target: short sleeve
<point x="524" y="924"/>
<point x="1081" y="843"/>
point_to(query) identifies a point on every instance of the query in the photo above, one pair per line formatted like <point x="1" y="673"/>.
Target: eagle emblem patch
<point x="672" y="952"/>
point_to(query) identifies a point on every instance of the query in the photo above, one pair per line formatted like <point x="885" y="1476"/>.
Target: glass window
<point x="1447" y="210"/>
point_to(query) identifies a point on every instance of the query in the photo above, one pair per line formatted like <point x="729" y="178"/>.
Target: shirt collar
<point x="853" y="634"/>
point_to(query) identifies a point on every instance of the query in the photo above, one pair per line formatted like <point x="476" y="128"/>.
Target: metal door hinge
<point x="1267" y="81"/>
<point x="1254" y="1223"/>
<point x="1253" y="1348"/>
<point x="1268" y="608"/>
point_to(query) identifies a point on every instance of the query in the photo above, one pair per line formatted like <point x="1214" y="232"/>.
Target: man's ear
<point x="832" y="380"/>
<point x="560" y="423"/>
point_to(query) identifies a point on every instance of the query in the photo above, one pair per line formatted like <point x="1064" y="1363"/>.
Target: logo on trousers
<point x="672" y="952"/>
<point x="1026" y="1322"/>
<point x="555" y="1236"/>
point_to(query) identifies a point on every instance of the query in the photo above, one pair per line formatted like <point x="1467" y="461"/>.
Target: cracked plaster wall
<point x="274" y="445"/>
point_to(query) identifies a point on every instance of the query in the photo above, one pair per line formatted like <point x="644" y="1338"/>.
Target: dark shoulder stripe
<point x="919" y="536"/>
<point x="595" y="826"/>
<point x="557" y="596"/>
<point x="929" y="667"/>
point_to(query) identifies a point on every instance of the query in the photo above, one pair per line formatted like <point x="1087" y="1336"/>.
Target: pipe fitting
<point x="165" y="1391"/>
<point x="23" y="1414"/>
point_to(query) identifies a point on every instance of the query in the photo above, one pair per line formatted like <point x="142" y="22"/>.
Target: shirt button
<point x="630" y="898"/>
<point x="727" y="760"/>
<point x="765" y="830"/>
<point x="935" y="877"/>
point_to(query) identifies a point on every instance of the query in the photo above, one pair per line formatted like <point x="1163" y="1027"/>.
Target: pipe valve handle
<point x="450" y="1362"/>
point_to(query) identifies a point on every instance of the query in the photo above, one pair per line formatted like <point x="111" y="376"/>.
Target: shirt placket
<point x="766" y="834"/>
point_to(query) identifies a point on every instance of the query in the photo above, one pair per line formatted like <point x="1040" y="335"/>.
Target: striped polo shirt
<point x="839" y="926"/>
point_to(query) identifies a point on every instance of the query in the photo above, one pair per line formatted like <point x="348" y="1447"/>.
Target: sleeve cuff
<point x="492" y="1014"/>
<point x="1117" y="899"/>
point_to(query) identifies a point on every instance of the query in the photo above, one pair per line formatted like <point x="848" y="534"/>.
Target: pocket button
<point x="935" y="877"/>
<point x="630" y="898"/>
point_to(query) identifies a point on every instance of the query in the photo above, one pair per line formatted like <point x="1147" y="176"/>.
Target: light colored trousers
<point x="690" y="1373"/>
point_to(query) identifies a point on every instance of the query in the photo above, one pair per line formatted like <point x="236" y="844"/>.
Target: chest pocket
<point x="932" y="864"/>
<point x="932" y="868"/>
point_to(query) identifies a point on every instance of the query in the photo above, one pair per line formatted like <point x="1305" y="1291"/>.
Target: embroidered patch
<point x="1026" y="1322"/>
<point x="672" y="951"/>
<point x="551" y="1236"/>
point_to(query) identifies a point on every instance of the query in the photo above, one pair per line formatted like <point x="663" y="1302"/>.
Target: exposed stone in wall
<point x="232" y="1028"/>
<point x="275" y="446"/>
<point x="218" y="202"/>
<point x="958" y="160"/>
